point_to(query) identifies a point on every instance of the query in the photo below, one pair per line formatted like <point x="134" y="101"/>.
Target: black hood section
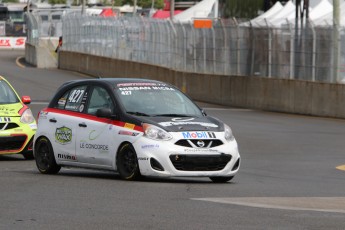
<point x="180" y="124"/>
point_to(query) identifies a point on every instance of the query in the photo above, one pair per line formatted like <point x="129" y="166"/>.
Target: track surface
<point x="291" y="177"/>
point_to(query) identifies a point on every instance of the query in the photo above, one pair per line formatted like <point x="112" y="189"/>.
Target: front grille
<point x="6" y="126"/>
<point x="185" y="162"/>
<point x="12" y="143"/>
<point x="194" y="143"/>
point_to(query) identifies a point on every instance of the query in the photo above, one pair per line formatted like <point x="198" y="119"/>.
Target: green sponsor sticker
<point x="63" y="135"/>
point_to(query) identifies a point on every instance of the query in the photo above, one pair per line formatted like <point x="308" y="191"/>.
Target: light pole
<point x="336" y="49"/>
<point x="172" y="9"/>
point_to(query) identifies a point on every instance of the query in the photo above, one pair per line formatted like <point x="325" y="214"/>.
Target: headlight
<point x="228" y="133"/>
<point x="156" y="133"/>
<point x="27" y="117"/>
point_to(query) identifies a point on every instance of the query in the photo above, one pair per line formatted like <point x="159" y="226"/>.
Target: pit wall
<point x="269" y="94"/>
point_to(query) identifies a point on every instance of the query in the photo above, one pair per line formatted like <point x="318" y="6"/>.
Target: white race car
<point x="136" y="127"/>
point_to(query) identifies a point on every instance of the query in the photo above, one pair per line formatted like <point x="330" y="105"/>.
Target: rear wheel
<point x="44" y="156"/>
<point x="221" y="179"/>
<point x="127" y="163"/>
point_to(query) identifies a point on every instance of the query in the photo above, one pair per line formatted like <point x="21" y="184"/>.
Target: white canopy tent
<point x="323" y="8"/>
<point x="320" y="14"/>
<point x="327" y="19"/>
<point x="204" y="9"/>
<point x="281" y="14"/>
<point x="269" y="13"/>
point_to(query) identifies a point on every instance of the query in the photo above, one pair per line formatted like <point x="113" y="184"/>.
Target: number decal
<point x="76" y="95"/>
<point x="126" y="93"/>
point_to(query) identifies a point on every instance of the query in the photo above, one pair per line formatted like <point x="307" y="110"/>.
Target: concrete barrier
<point x="269" y="94"/>
<point x="42" y="55"/>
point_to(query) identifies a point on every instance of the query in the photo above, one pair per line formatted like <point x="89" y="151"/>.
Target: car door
<point x="95" y="145"/>
<point x="62" y="122"/>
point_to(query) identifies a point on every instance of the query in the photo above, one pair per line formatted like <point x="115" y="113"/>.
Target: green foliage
<point x="158" y="4"/>
<point x="241" y="9"/>
<point x="57" y="2"/>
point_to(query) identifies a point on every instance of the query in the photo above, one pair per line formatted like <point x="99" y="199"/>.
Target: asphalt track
<point x="292" y="177"/>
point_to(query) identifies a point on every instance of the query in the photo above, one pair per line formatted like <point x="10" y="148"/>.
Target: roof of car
<point x="116" y="81"/>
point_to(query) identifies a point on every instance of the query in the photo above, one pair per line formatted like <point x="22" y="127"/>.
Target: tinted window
<point x="100" y="98"/>
<point x="73" y="100"/>
<point x="156" y="100"/>
<point x="7" y="95"/>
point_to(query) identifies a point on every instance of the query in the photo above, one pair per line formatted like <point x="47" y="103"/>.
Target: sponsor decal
<point x="182" y="119"/>
<point x="101" y="147"/>
<point x="200" y="151"/>
<point x="33" y="126"/>
<point x="62" y="101"/>
<point x="63" y="135"/>
<point x="12" y="42"/>
<point x="67" y="157"/>
<point x="81" y="108"/>
<point x="136" y="88"/>
<point x="6" y="110"/>
<point x="186" y="121"/>
<point x="5" y="119"/>
<point x="93" y="135"/>
<point x="5" y="43"/>
<point x="136" y="84"/>
<point x="150" y="146"/>
<point x="129" y="126"/>
<point x="128" y="133"/>
<point x="198" y="135"/>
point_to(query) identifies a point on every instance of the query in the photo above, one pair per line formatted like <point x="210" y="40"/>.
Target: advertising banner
<point x="12" y="42"/>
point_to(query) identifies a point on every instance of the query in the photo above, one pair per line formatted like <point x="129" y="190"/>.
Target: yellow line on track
<point x="341" y="167"/>
<point x="18" y="62"/>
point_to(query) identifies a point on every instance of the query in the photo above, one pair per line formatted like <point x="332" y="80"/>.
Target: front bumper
<point x="166" y="159"/>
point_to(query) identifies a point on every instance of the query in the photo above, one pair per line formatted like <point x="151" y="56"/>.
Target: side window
<point x="100" y="98"/>
<point x="73" y="100"/>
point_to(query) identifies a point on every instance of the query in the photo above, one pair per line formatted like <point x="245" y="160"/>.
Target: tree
<point x="158" y="4"/>
<point x="240" y="9"/>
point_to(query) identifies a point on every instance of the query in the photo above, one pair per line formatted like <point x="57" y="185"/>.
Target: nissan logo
<point x="201" y="144"/>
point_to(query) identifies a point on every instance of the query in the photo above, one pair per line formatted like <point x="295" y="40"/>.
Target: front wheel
<point x="127" y="163"/>
<point x="44" y="156"/>
<point x="221" y="179"/>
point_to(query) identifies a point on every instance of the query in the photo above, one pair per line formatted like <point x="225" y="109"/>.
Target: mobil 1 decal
<point x="198" y="135"/>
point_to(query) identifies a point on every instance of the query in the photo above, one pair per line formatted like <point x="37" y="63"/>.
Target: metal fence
<point x="228" y="48"/>
<point x="44" y="23"/>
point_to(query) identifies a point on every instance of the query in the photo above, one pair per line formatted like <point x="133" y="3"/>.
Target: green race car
<point x="17" y="124"/>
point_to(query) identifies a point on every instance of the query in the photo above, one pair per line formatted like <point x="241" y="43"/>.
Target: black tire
<point x="221" y="179"/>
<point x="44" y="156"/>
<point x="28" y="155"/>
<point x="127" y="163"/>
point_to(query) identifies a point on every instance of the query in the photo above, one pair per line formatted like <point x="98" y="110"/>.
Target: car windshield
<point x="155" y="100"/>
<point x="7" y="95"/>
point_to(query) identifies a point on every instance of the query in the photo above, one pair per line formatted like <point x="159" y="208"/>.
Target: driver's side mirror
<point x="203" y="112"/>
<point x="105" y="113"/>
<point x="26" y="100"/>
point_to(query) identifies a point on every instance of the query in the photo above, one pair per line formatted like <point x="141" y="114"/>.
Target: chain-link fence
<point x="44" y="23"/>
<point x="228" y="48"/>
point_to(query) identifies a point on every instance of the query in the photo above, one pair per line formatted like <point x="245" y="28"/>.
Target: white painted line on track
<point x="319" y="204"/>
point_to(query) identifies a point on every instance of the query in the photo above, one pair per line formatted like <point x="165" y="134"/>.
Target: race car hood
<point x="10" y="110"/>
<point x="178" y="124"/>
